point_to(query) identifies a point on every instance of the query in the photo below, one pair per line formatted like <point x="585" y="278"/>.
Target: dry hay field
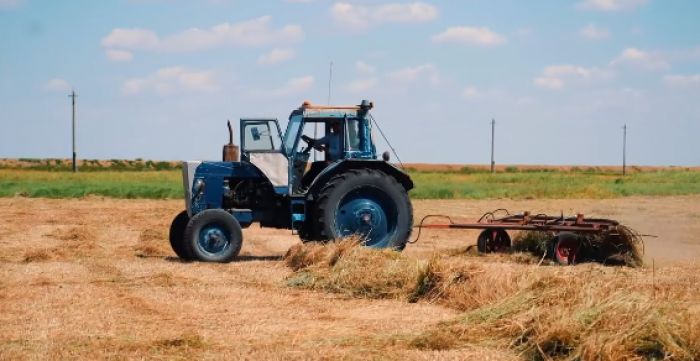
<point x="95" y="278"/>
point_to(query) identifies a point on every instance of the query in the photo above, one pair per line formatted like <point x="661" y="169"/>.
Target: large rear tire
<point x="366" y="203"/>
<point x="213" y="235"/>
<point x="177" y="235"/>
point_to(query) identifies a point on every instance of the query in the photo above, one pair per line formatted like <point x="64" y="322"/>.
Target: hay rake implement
<point x="567" y="240"/>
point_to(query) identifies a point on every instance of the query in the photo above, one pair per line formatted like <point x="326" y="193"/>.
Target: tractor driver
<point x="330" y="144"/>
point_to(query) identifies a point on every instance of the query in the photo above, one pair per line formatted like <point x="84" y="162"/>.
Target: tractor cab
<point x="336" y="133"/>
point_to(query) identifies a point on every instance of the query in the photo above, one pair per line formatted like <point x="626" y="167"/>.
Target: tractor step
<point x="298" y="211"/>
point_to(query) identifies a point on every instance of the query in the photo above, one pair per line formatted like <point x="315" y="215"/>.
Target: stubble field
<point x="94" y="278"/>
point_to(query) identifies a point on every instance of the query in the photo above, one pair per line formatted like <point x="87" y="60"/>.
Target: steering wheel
<point x="310" y="143"/>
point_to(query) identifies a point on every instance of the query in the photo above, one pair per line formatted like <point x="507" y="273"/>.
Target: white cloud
<point x="135" y="38"/>
<point x="640" y="59"/>
<point x="276" y="56"/>
<point x="415" y="73"/>
<point x="361" y="85"/>
<point x="682" y="80"/>
<point x="119" y="55"/>
<point x="360" y="16"/>
<point x="591" y="31"/>
<point x="57" y="85"/>
<point x="365" y="69"/>
<point x="254" y="32"/>
<point x="295" y="86"/>
<point x="556" y="77"/>
<point x="171" y="80"/>
<point x="611" y="5"/>
<point x="469" y="35"/>
<point x="549" y="83"/>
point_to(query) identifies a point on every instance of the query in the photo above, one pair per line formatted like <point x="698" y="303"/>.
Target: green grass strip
<point x="429" y="185"/>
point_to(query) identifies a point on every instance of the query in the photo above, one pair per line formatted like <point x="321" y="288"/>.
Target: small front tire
<point x="213" y="235"/>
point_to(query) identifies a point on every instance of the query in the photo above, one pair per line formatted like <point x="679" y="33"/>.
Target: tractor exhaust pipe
<point x="230" y="153"/>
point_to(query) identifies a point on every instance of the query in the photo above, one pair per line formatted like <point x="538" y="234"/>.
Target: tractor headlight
<point x="198" y="186"/>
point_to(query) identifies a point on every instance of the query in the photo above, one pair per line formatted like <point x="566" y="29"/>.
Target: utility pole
<point x="493" y="136"/>
<point x="73" y="96"/>
<point x="624" y="150"/>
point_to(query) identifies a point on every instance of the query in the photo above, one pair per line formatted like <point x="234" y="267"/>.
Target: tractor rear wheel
<point x="177" y="235"/>
<point x="366" y="203"/>
<point x="213" y="235"/>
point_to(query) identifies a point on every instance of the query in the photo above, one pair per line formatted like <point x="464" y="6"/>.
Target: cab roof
<point x="310" y="110"/>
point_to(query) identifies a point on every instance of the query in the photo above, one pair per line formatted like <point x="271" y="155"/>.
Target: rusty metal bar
<point x="517" y="227"/>
<point x="539" y="222"/>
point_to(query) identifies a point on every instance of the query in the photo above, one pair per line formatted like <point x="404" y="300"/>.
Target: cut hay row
<point x="568" y="313"/>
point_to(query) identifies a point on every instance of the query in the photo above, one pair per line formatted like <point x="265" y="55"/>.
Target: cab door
<point x="261" y="145"/>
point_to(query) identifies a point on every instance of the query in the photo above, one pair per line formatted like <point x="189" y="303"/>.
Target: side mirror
<point x="255" y="133"/>
<point x="386" y="156"/>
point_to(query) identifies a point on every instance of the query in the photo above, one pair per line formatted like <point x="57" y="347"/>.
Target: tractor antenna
<point x="386" y="140"/>
<point x="330" y="82"/>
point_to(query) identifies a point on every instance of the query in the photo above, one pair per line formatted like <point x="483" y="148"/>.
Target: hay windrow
<point x="559" y="313"/>
<point x="344" y="268"/>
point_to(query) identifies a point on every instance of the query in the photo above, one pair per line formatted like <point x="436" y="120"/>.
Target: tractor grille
<point x="189" y="169"/>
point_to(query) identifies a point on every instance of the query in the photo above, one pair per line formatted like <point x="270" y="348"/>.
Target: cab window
<point x="352" y="139"/>
<point x="261" y="136"/>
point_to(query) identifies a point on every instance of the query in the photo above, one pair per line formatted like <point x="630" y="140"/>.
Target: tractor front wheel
<point x="365" y="203"/>
<point x="213" y="235"/>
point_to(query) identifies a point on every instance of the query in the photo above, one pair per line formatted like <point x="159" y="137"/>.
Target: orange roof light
<point x="308" y="105"/>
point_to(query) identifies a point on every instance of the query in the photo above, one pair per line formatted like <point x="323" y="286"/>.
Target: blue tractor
<point x="348" y="192"/>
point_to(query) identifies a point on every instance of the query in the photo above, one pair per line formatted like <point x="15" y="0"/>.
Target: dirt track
<point x="95" y="278"/>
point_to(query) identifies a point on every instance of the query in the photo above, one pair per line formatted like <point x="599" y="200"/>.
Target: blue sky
<point x="158" y="79"/>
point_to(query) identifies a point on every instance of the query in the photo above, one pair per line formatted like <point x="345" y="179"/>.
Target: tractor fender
<point x="343" y="165"/>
